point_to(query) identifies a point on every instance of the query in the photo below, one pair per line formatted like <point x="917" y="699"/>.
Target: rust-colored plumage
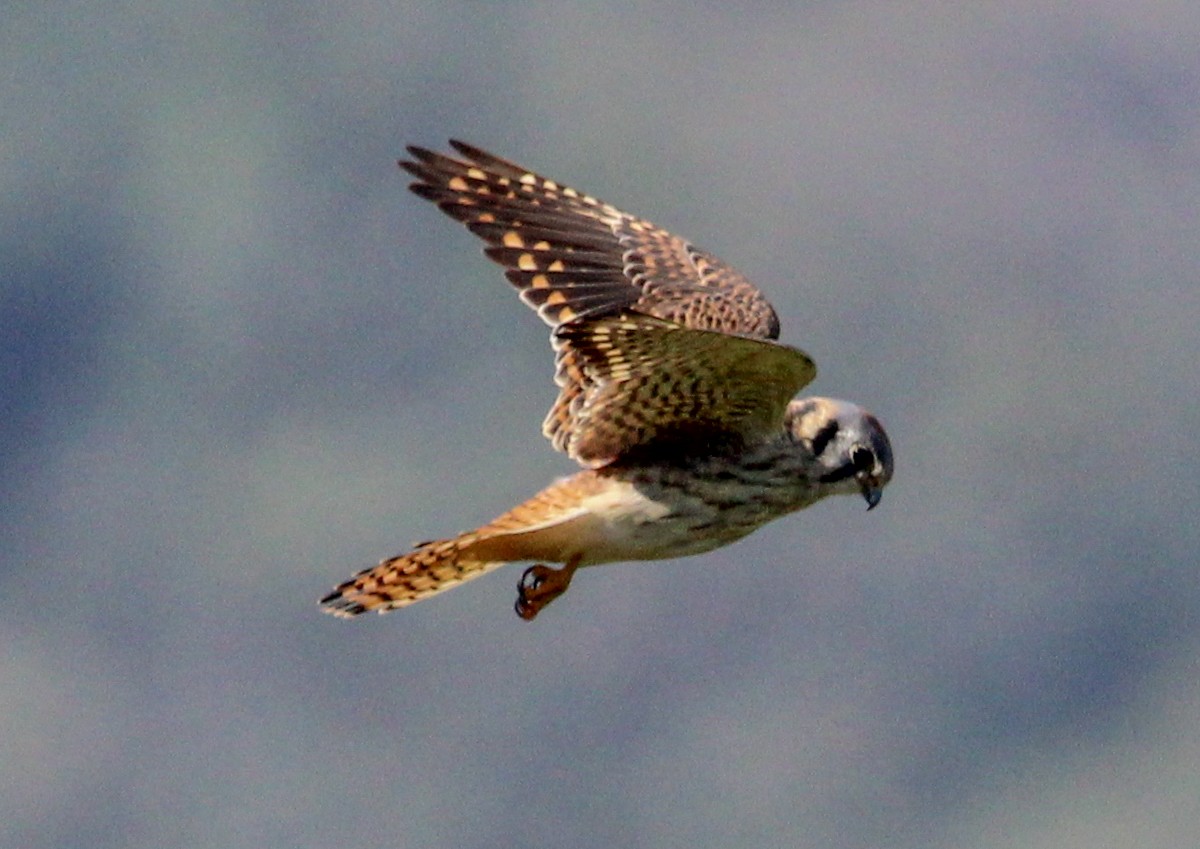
<point x="576" y="259"/>
<point x="674" y="395"/>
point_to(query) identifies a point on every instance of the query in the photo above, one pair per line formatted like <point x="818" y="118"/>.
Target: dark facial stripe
<point x="840" y="474"/>
<point x="823" y="437"/>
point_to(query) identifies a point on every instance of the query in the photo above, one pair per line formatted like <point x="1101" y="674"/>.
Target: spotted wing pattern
<point x="680" y="390"/>
<point x="575" y="260"/>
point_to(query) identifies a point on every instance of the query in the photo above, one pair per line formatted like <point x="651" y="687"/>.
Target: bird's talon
<point x="540" y="585"/>
<point x="524" y="609"/>
<point x="532" y="578"/>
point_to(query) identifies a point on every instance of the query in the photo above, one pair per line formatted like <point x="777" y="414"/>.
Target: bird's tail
<point x="399" y="581"/>
<point x="553" y="525"/>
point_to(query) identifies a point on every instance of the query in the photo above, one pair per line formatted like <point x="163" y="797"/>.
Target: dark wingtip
<point x="417" y="152"/>
<point x="426" y="191"/>
<point x="413" y="168"/>
<point x="467" y="150"/>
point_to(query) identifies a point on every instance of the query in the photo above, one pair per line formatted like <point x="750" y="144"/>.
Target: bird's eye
<point x="863" y="459"/>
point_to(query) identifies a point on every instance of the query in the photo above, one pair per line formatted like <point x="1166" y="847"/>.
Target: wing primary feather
<point x="618" y="289"/>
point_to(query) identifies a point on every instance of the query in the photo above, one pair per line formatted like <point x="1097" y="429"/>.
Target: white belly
<point x="603" y="519"/>
<point x="626" y="523"/>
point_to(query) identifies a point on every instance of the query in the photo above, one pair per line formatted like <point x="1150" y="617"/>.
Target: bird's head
<point x="849" y="446"/>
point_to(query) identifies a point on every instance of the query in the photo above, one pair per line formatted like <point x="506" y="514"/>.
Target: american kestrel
<point x="673" y="395"/>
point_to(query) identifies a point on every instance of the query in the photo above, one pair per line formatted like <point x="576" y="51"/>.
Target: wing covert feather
<point x="656" y="341"/>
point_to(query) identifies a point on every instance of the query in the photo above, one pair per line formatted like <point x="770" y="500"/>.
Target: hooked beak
<point x="871" y="491"/>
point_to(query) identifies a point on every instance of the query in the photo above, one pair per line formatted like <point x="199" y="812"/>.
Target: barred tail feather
<point x="553" y="525"/>
<point x="407" y="578"/>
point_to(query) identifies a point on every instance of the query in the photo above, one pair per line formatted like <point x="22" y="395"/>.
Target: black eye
<point x="863" y="459"/>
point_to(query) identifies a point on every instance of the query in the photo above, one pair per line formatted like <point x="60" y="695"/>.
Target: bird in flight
<point x="674" y="396"/>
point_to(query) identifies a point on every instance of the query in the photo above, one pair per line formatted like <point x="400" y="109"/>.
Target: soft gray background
<point x="240" y="362"/>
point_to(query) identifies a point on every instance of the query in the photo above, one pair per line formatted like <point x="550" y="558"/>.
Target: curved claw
<point x="524" y="609"/>
<point x="531" y="580"/>
<point x="540" y="585"/>
<point x="533" y="577"/>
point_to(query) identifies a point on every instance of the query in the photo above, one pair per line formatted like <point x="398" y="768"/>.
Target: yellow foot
<point x="540" y="585"/>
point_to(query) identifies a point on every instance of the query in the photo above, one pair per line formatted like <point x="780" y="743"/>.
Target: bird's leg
<point x="540" y="585"/>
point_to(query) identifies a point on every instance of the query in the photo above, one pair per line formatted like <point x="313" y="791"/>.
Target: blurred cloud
<point x="240" y="362"/>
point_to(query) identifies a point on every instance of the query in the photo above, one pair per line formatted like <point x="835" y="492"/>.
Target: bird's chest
<point x="654" y="519"/>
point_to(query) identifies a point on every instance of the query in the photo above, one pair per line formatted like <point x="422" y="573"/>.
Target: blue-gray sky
<point x="240" y="362"/>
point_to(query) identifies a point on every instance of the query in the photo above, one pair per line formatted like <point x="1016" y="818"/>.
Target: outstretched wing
<point x="572" y="256"/>
<point x="655" y="385"/>
<point x="576" y="260"/>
